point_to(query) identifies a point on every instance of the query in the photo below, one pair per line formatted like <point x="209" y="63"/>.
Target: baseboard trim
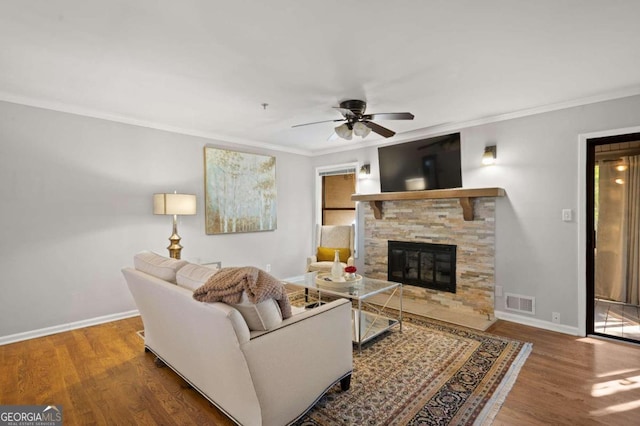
<point x="533" y="322"/>
<point x="19" y="337"/>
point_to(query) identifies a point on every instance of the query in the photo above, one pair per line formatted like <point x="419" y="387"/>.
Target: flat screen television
<point x="432" y="163"/>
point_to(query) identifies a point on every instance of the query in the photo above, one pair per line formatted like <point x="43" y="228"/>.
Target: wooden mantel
<point x="465" y="196"/>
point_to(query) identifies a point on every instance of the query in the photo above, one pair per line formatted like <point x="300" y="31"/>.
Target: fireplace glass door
<point x="425" y="265"/>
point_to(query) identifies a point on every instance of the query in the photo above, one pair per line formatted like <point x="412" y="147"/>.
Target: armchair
<point x="329" y="239"/>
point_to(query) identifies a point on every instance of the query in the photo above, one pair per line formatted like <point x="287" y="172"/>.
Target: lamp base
<point x="174" y="248"/>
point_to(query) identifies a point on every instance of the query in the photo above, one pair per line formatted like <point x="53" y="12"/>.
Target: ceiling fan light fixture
<point x="360" y="123"/>
<point x="344" y="131"/>
<point x="361" y="129"/>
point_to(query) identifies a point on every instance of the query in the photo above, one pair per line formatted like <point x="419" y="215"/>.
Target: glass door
<point x="613" y="258"/>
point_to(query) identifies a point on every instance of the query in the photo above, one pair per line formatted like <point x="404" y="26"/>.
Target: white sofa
<point x="267" y="377"/>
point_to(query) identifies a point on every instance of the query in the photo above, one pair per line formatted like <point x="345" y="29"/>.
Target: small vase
<point x="350" y="276"/>
<point x="336" y="268"/>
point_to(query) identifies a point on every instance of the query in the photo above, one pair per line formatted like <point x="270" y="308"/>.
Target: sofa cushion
<point x="327" y="254"/>
<point x="191" y="276"/>
<point x="159" y="266"/>
<point x="259" y="316"/>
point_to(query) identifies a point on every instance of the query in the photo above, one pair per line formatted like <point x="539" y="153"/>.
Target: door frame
<point x="318" y="199"/>
<point x="585" y="268"/>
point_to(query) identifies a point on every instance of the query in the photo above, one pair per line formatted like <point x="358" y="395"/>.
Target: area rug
<point x="431" y="373"/>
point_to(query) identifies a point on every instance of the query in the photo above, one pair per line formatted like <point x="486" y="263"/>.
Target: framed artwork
<point x="240" y="191"/>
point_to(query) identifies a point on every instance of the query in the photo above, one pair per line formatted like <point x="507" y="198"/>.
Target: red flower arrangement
<point x="350" y="269"/>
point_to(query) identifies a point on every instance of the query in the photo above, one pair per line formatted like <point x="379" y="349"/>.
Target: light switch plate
<point x="567" y="215"/>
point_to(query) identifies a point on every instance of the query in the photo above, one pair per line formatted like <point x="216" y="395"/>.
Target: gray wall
<point x="77" y="204"/>
<point x="77" y="192"/>
<point x="539" y="167"/>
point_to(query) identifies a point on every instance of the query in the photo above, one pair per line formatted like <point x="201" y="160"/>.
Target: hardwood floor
<point x="570" y="380"/>
<point x="101" y="375"/>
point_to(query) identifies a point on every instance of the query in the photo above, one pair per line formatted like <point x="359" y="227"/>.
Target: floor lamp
<point x="174" y="204"/>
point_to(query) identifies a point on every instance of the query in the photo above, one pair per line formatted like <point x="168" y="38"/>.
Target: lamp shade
<point x="180" y="204"/>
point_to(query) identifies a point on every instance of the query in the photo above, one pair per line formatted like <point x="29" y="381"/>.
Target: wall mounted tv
<point x="432" y="163"/>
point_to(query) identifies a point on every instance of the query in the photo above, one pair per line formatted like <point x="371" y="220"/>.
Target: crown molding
<point x="86" y="112"/>
<point x="404" y="137"/>
<point x="445" y="128"/>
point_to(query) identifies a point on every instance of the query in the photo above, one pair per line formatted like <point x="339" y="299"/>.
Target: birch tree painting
<point x="240" y="192"/>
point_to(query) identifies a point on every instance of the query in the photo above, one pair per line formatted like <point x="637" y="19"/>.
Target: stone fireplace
<point x="438" y="221"/>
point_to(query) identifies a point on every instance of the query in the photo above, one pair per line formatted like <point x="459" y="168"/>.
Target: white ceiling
<point x="204" y="67"/>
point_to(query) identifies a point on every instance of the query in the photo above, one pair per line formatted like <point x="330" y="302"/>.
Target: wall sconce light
<point x="174" y="204"/>
<point x="365" y="171"/>
<point x="489" y="156"/>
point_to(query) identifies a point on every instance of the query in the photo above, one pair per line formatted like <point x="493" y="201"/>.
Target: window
<point x="337" y="207"/>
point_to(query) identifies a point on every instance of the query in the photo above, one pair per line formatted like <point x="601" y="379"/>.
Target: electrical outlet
<point x="268" y="267"/>
<point x="555" y="317"/>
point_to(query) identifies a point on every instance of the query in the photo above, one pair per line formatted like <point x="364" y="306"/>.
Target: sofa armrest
<point x="295" y="318"/>
<point x="294" y="364"/>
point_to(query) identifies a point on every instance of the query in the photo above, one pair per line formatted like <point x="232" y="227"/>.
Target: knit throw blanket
<point x="228" y="284"/>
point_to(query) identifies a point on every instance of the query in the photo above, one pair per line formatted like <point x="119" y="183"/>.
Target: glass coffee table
<point x="368" y="323"/>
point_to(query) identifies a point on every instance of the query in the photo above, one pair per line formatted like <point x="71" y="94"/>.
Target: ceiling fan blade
<point x="345" y="112"/>
<point x="318" y="122"/>
<point x="389" y="116"/>
<point x="382" y="131"/>
<point x="333" y="137"/>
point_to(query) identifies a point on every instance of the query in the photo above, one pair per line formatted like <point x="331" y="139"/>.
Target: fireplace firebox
<point x="426" y="265"/>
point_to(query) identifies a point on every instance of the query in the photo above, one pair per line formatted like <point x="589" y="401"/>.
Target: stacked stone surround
<point x="439" y="221"/>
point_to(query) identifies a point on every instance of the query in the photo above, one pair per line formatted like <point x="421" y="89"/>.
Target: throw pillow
<point x="159" y="266"/>
<point x="261" y="316"/>
<point x="327" y="254"/>
<point x="192" y="276"/>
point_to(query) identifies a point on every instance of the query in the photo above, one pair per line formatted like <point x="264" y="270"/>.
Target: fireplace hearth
<point x="426" y="265"/>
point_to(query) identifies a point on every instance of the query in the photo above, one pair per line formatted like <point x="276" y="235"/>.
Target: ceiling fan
<point x="359" y="123"/>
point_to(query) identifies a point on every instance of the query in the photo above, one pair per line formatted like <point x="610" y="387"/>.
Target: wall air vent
<point x="519" y="303"/>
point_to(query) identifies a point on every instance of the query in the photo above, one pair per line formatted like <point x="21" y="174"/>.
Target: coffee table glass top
<point x="359" y="290"/>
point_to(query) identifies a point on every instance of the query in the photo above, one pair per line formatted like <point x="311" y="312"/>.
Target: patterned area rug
<point x="431" y="373"/>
